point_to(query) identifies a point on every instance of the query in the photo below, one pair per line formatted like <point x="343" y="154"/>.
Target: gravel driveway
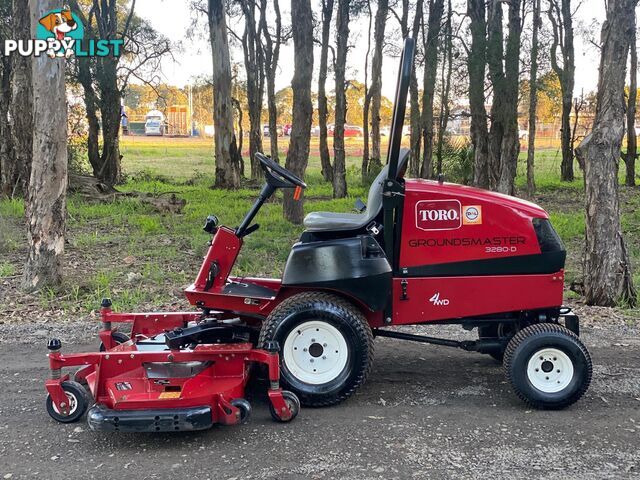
<point x="426" y="412"/>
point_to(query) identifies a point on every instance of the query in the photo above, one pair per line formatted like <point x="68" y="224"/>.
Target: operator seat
<point x="335" y="221"/>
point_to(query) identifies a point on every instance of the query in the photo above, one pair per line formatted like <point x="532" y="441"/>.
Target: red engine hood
<point x="426" y="187"/>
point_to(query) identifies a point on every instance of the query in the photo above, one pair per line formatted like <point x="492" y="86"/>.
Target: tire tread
<point x="542" y="328"/>
<point x="292" y="305"/>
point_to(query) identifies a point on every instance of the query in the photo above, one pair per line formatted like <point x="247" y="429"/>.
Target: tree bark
<point x="91" y="106"/>
<point x="560" y="16"/>
<point x="495" y="57"/>
<point x="7" y="158"/>
<point x="298" y="154"/>
<point x="503" y="61"/>
<point x="476" y="62"/>
<point x="510" y="141"/>
<point x="533" y="100"/>
<point x="414" y="100"/>
<point x="21" y="105"/>
<point x="366" y="107"/>
<point x="325" y="159"/>
<point x="103" y="84"/>
<point x="271" y="49"/>
<point x="607" y="270"/>
<point x="375" y="92"/>
<point x="436" y="10"/>
<point x="632" y="146"/>
<point x="110" y="113"/>
<point x="447" y="69"/>
<point x="254" y="66"/>
<point x="110" y="95"/>
<point x="342" y="41"/>
<point x="228" y="157"/>
<point x="46" y="203"/>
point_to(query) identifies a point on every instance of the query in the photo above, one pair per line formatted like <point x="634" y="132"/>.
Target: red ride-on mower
<point x="420" y="252"/>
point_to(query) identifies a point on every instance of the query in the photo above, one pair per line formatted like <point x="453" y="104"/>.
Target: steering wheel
<point x="277" y="175"/>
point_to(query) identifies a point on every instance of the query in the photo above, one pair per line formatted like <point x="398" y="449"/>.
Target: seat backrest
<point x="374" y="200"/>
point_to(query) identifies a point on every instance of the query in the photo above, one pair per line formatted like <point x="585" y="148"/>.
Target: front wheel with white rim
<point x="326" y="346"/>
<point x="548" y="366"/>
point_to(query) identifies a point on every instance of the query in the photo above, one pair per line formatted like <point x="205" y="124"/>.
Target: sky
<point x="173" y="19"/>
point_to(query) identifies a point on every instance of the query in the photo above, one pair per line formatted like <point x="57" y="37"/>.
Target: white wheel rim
<point x="73" y="404"/>
<point x="315" y="352"/>
<point x="550" y="370"/>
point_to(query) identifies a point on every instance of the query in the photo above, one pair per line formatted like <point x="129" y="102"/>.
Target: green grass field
<point x="142" y="258"/>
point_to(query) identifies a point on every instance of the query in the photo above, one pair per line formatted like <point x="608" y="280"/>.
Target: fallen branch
<point x="93" y="189"/>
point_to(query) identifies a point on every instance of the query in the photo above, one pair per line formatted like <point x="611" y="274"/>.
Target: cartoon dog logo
<point x="60" y="24"/>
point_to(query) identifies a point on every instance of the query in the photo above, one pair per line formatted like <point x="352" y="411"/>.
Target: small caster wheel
<point x="245" y="409"/>
<point x="118" y="337"/>
<point x="292" y="401"/>
<point x="78" y="403"/>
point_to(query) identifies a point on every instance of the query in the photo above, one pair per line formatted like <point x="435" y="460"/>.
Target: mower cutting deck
<point x="172" y="377"/>
<point x="420" y="252"/>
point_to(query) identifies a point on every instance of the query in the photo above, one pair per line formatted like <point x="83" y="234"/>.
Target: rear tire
<point x="548" y="366"/>
<point x="326" y="347"/>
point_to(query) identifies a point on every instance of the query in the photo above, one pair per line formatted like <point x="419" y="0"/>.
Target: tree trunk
<point x="510" y="141"/>
<point x="254" y="63"/>
<point x="342" y="44"/>
<point x="271" y="49"/>
<point x="533" y="100"/>
<point x="8" y="172"/>
<point x="228" y="157"/>
<point x="325" y="160"/>
<point x="46" y="204"/>
<point x="415" y="119"/>
<point x="447" y="69"/>
<point x="560" y="16"/>
<point x="298" y="154"/>
<point x="375" y="92"/>
<point x="436" y="10"/>
<point x="476" y="61"/>
<point x="632" y="146"/>
<point x="366" y="107"/>
<point x="110" y="99"/>
<point x="607" y="270"/>
<point x="103" y="83"/>
<point x="495" y="57"/>
<point x="91" y="107"/>
<point x="21" y="104"/>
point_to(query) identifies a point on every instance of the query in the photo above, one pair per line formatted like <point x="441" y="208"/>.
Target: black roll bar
<point x="392" y="190"/>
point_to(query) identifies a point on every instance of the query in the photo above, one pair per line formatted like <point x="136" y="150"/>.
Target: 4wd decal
<point x="438" y="215"/>
<point x="437" y="301"/>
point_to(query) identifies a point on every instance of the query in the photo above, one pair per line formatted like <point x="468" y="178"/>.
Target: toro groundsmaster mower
<point x="420" y="252"/>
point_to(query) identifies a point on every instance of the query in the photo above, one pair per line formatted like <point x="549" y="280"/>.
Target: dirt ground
<point x="426" y="412"/>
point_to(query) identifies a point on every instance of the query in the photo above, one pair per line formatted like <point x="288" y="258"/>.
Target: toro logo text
<point x="438" y="215"/>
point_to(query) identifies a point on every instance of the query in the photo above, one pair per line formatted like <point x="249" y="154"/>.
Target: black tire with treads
<point x="118" y="337"/>
<point x="532" y="339"/>
<point x="343" y="316"/>
<point x="81" y="398"/>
